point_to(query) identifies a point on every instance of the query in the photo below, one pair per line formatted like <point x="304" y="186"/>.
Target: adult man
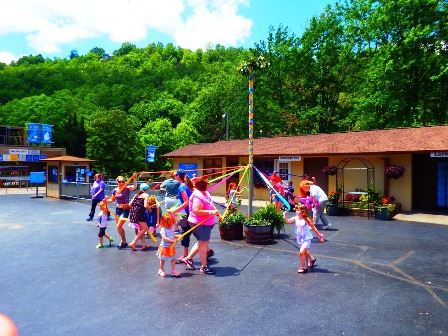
<point x="171" y="187"/>
<point x="320" y="199"/>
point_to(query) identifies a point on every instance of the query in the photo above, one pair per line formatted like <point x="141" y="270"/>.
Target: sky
<point x="53" y="28"/>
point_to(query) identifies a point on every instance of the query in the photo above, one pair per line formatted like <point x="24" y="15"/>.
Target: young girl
<point x="102" y="224"/>
<point x="137" y="216"/>
<point x="166" y="249"/>
<point x="304" y="225"/>
<point x="152" y="215"/>
<point x="232" y="194"/>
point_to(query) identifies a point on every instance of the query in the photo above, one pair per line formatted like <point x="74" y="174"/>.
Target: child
<point x="102" y="224"/>
<point x="304" y="225"/>
<point x="152" y="215"/>
<point x="233" y="194"/>
<point x="166" y="249"/>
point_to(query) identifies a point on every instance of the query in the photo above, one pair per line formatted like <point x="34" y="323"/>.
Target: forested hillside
<point x="362" y="64"/>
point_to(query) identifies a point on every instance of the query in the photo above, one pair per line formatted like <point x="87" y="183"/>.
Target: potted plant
<point x="333" y="202"/>
<point x="330" y="170"/>
<point x="231" y="227"/>
<point x="394" y="171"/>
<point x="259" y="228"/>
<point x="385" y="212"/>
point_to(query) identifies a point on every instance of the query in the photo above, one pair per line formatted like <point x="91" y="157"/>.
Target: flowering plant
<point x="387" y="200"/>
<point x="333" y="196"/>
<point x="330" y="170"/>
<point x="394" y="171"/>
<point x="253" y="64"/>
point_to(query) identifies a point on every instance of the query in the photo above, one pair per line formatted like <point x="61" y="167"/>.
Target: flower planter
<point x="383" y="214"/>
<point x="332" y="209"/>
<point x="233" y="231"/>
<point x="255" y="234"/>
<point x="355" y="211"/>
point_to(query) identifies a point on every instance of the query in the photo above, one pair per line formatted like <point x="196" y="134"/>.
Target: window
<point x="53" y="174"/>
<point x="212" y="167"/>
<point x="283" y="169"/>
<point x="266" y="167"/>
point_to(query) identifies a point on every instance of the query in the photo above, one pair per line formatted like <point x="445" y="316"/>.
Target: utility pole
<point x="227" y="126"/>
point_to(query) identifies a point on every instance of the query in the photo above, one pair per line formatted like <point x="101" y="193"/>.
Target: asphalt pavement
<point x="371" y="278"/>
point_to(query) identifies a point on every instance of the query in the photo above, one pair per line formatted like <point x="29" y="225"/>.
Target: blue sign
<point x="150" y="153"/>
<point x="190" y="168"/>
<point x="36" y="157"/>
<point x="1" y="157"/>
<point x="34" y="133"/>
<point x="28" y="157"/>
<point x="42" y="156"/>
<point x="46" y="134"/>
<point x="37" y="177"/>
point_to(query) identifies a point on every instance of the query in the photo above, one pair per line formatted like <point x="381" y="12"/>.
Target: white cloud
<point x="7" y="57"/>
<point x="49" y="24"/>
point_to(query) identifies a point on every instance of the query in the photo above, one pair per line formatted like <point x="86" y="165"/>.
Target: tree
<point x="113" y="142"/>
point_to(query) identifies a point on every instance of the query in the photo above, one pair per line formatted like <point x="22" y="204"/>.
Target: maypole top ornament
<point x="253" y="64"/>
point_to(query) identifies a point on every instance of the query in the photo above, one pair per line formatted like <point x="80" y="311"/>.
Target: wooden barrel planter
<point x="255" y="234"/>
<point x="232" y="231"/>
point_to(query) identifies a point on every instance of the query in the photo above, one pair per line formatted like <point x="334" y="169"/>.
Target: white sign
<point x="290" y="158"/>
<point x="442" y="154"/>
<point x="34" y="151"/>
<point x="18" y="151"/>
<point x="22" y="157"/>
<point x="6" y="157"/>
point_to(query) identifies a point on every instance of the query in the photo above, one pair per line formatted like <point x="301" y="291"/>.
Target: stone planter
<point x="255" y="234"/>
<point x="233" y="231"/>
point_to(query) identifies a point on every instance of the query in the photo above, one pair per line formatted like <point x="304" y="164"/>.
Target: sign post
<point x="37" y="178"/>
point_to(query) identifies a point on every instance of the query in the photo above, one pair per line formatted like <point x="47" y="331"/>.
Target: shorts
<point x="122" y="213"/>
<point x="202" y="232"/>
<point x="102" y="231"/>
<point x="170" y="202"/>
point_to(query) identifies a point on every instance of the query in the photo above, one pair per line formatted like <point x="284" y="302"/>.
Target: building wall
<point x="355" y="179"/>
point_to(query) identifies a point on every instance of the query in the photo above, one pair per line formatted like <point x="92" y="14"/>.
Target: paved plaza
<point x="371" y="278"/>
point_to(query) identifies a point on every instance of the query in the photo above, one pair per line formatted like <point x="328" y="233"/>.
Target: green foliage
<point x="269" y="213"/>
<point x="359" y="65"/>
<point x="234" y="218"/>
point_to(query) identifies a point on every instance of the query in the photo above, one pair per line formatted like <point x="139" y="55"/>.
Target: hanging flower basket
<point x="330" y="170"/>
<point x="394" y="171"/>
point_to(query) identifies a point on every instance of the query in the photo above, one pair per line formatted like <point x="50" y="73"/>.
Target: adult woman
<point x="121" y="196"/>
<point x="137" y="215"/>
<point x="97" y="192"/>
<point x="203" y="212"/>
<point x="184" y="192"/>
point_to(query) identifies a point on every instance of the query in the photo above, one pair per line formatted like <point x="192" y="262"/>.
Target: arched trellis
<point x="343" y="168"/>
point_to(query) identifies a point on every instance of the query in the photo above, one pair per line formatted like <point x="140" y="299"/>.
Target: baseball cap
<point x="144" y="186"/>
<point x="181" y="173"/>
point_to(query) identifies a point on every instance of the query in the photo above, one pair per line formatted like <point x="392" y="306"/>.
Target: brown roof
<point x="399" y="140"/>
<point x="68" y="158"/>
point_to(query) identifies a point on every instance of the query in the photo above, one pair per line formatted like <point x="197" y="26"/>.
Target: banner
<point x="34" y="133"/>
<point x="150" y="153"/>
<point x="46" y="134"/>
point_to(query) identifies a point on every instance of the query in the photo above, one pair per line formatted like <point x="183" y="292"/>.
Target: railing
<point x="14" y="181"/>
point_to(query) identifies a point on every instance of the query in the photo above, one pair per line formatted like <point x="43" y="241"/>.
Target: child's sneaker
<point x="100" y="245"/>
<point x="111" y="240"/>
<point x="161" y="273"/>
<point x="175" y="274"/>
<point x="207" y="270"/>
<point x="189" y="263"/>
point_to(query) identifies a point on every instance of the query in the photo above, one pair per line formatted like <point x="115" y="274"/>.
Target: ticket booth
<point x="67" y="176"/>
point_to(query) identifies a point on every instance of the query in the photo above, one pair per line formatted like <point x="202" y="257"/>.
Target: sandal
<point x="175" y="274"/>
<point x="132" y="246"/>
<point x="146" y="247"/>
<point x="311" y="263"/>
<point x="161" y="273"/>
<point x="302" y="270"/>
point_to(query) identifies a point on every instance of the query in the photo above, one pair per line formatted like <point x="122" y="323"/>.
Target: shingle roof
<point x="399" y="140"/>
<point x="68" y="158"/>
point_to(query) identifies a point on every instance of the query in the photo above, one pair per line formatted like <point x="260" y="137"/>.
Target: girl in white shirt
<point x="304" y="225"/>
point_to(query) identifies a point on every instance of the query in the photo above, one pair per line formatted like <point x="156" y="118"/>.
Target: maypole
<point x="251" y="138"/>
<point x="248" y="68"/>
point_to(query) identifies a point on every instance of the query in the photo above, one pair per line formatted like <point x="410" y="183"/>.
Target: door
<point x="313" y="167"/>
